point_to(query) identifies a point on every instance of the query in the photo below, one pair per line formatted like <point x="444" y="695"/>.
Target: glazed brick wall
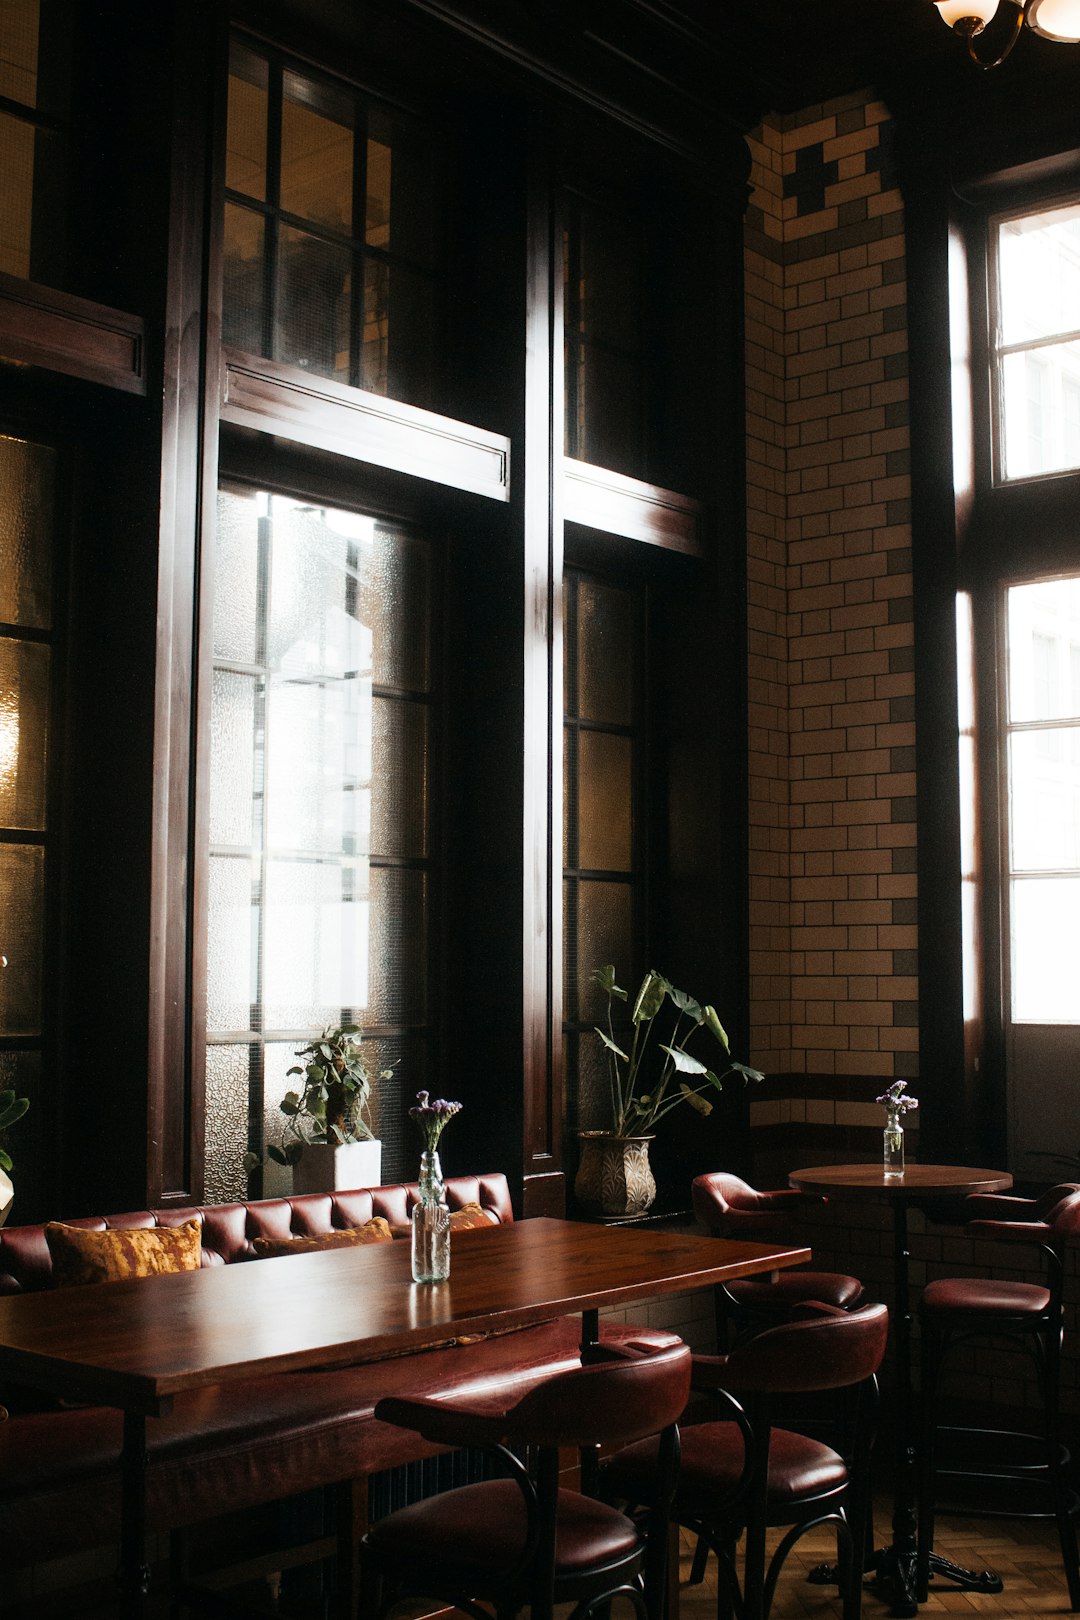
<point x="832" y="719"/>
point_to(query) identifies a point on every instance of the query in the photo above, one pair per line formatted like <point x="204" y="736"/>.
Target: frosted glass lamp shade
<point x="957" y="11"/>
<point x="1056" y="19"/>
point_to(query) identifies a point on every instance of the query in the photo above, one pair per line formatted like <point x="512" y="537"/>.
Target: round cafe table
<point x="894" y="1565"/>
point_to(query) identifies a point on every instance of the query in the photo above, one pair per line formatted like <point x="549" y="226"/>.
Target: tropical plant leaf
<point x="610" y="1044"/>
<point x="293" y="1152"/>
<point x="702" y="1104"/>
<point x="250" y="1162"/>
<point x="746" y="1072"/>
<point x="605" y="978"/>
<point x="650" y="997"/>
<point x="277" y="1154"/>
<point x="290" y="1103"/>
<point x="6" y="1162"/>
<point x="686" y="1004"/>
<point x="683" y="1061"/>
<point x="715" y="1027"/>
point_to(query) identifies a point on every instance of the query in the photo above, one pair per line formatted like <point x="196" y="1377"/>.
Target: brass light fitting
<point x="1054" y="19"/>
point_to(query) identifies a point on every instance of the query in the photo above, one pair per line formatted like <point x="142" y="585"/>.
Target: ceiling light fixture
<point x="1054" y="19"/>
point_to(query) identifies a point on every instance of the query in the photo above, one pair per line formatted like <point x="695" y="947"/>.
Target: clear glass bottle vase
<point x="430" y="1224"/>
<point x="894" y="1146"/>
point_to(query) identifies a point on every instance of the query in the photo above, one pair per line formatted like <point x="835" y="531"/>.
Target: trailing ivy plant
<point x="331" y="1106"/>
<point x="645" y="1085"/>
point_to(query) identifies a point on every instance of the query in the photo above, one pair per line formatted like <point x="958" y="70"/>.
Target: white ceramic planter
<point x="7" y="1195"/>
<point x="333" y="1169"/>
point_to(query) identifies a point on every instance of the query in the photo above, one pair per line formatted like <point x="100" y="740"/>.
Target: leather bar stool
<point x="960" y="1309"/>
<point x="729" y="1207"/>
<point x="741" y="1472"/>
<point x="522" y="1541"/>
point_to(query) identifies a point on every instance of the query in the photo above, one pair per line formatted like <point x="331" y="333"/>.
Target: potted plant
<point x="614" y="1176"/>
<point x="327" y="1135"/>
<point x="11" y="1109"/>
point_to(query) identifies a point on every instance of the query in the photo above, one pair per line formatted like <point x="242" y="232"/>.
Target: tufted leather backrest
<point x="229" y="1230"/>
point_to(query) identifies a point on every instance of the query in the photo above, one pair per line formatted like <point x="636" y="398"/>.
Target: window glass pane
<point x="1040" y="410"/>
<point x="19" y="51"/>
<point x="1039" y="270"/>
<point x="245" y="155"/>
<point x="403" y="214"/>
<point x="27" y="513"/>
<point x="231" y="989"/>
<point x="605" y="669"/>
<point x="317" y="153"/>
<point x="603" y="932"/>
<point x="22" y="907"/>
<point x="16" y="194"/>
<point x="243" y="323"/>
<point x="314" y="288"/>
<point x="24" y="715"/>
<point x="1044" y="650"/>
<point x="232" y="745"/>
<point x="1044" y="771"/>
<point x="1045" y="949"/>
<point x="226" y="1123"/>
<point x="611" y="411"/>
<point x="605" y="803"/>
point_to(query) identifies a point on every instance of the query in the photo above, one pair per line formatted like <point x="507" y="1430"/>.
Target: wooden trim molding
<point x="275" y="398"/>
<point x="41" y="326"/>
<point x="618" y="505"/>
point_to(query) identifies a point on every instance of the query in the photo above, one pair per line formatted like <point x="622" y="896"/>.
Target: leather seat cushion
<point x="481" y="1528"/>
<point x="793" y="1287"/>
<point x="712" y="1463"/>
<point x="984" y="1296"/>
<point x="255" y="1440"/>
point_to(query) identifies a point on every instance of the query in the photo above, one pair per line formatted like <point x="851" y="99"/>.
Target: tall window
<point x="604" y="271"/>
<point x="320" y="852"/>
<point x="332" y="230"/>
<point x="34" y="81"/>
<point x="1037" y="344"/>
<point x="602" y="854"/>
<point x="1043" y="745"/>
<point x="27" y="521"/>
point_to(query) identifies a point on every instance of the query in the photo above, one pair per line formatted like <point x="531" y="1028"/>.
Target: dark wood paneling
<point x="42" y="327"/>
<point x="274" y="398"/>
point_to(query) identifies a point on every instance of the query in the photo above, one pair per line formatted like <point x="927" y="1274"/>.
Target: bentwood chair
<point x="961" y="1309"/>
<point x="741" y="1472"/>
<point x="729" y="1207"/>
<point x="521" y="1540"/>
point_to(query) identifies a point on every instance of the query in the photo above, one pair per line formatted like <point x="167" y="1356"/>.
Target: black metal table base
<point x="892" y="1578"/>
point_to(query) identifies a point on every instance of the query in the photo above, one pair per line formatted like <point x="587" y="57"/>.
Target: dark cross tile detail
<point x="882" y="158"/>
<point x="811" y="175"/>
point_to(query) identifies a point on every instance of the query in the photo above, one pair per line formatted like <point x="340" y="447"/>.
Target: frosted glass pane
<point x="313" y="570"/>
<point x="1040" y="409"/>
<point x="231" y="990"/>
<point x="24" y="714"/>
<point x="226" y="1123"/>
<point x="244" y="289"/>
<point x="1044" y="781"/>
<point x="236" y="575"/>
<point x="27" y="518"/>
<point x="16" y="194"/>
<point x="278" y="1058"/>
<point x="19" y="51"/>
<point x="403" y="194"/>
<point x="605" y="668"/>
<point x="394" y="599"/>
<point x="319" y="763"/>
<point x="316" y="153"/>
<point x="593" y="1111"/>
<point x="315" y="947"/>
<point x="232" y="736"/>
<point x="605" y="809"/>
<point x="1044" y="650"/>
<point x="399" y="968"/>
<point x="22" y="905"/>
<point x="1039" y="265"/>
<point x="399" y="777"/>
<point x="314" y="287"/>
<point x="245" y="157"/>
<point x="598" y="929"/>
<point x="1045" y="916"/>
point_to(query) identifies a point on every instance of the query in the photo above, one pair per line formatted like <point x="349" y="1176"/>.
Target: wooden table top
<point x="918" y="1180"/>
<point x="136" y="1344"/>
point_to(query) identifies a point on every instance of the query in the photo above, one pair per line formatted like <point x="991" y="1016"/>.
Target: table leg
<point x="894" y="1565"/>
<point x="133" y="1576"/>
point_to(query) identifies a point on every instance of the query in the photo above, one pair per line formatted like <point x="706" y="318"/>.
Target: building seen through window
<point x="1038" y="341"/>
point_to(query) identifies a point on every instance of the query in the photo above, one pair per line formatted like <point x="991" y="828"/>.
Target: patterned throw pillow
<point x="80" y="1257"/>
<point x="376" y="1230"/>
<point x="468" y="1216"/>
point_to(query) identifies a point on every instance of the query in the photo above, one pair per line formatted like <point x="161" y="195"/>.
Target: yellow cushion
<point x="377" y="1230"/>
<point x="80" y="1257"/>
<point x="469" y="1215"/>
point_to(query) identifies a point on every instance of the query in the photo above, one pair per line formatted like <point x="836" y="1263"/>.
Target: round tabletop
<point x="917" y="1181"/>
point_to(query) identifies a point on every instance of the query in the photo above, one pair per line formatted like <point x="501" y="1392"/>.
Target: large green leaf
<point x="713" y="1023"/>
<point x="610" y="1044"/>
<point x="605" y="978"/>
<point x="683" y="1060"/>
<point x="746" y="1072"/>
<point x="686" y="1004"/>
<point x="702" y="1104"/>
<point x="276" y="1154"/>
<point x="650" y="997"/>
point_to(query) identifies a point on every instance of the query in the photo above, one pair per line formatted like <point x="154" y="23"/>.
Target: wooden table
<point x="895" y="1564"/>
<point x="136" y="1345"/>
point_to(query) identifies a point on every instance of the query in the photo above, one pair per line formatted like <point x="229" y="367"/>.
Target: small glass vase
<point x="430" y="1224"/>
<point x="894" y="1146"/>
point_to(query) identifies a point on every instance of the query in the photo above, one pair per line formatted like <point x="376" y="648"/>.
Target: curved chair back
<point x="611" y="1403"/>
<point x="729" y="1207"/>
<point x="831" y="1351"/>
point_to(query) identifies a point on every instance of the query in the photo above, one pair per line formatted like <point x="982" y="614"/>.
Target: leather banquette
<point x="259" y="1439"/>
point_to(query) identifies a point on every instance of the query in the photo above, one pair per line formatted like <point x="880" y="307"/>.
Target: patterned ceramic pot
<point x="614" y="1176"/>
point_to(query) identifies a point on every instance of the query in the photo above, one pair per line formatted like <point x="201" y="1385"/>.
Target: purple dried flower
<point x="432" y="1118"/>
<point x="894" y="1099"/>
